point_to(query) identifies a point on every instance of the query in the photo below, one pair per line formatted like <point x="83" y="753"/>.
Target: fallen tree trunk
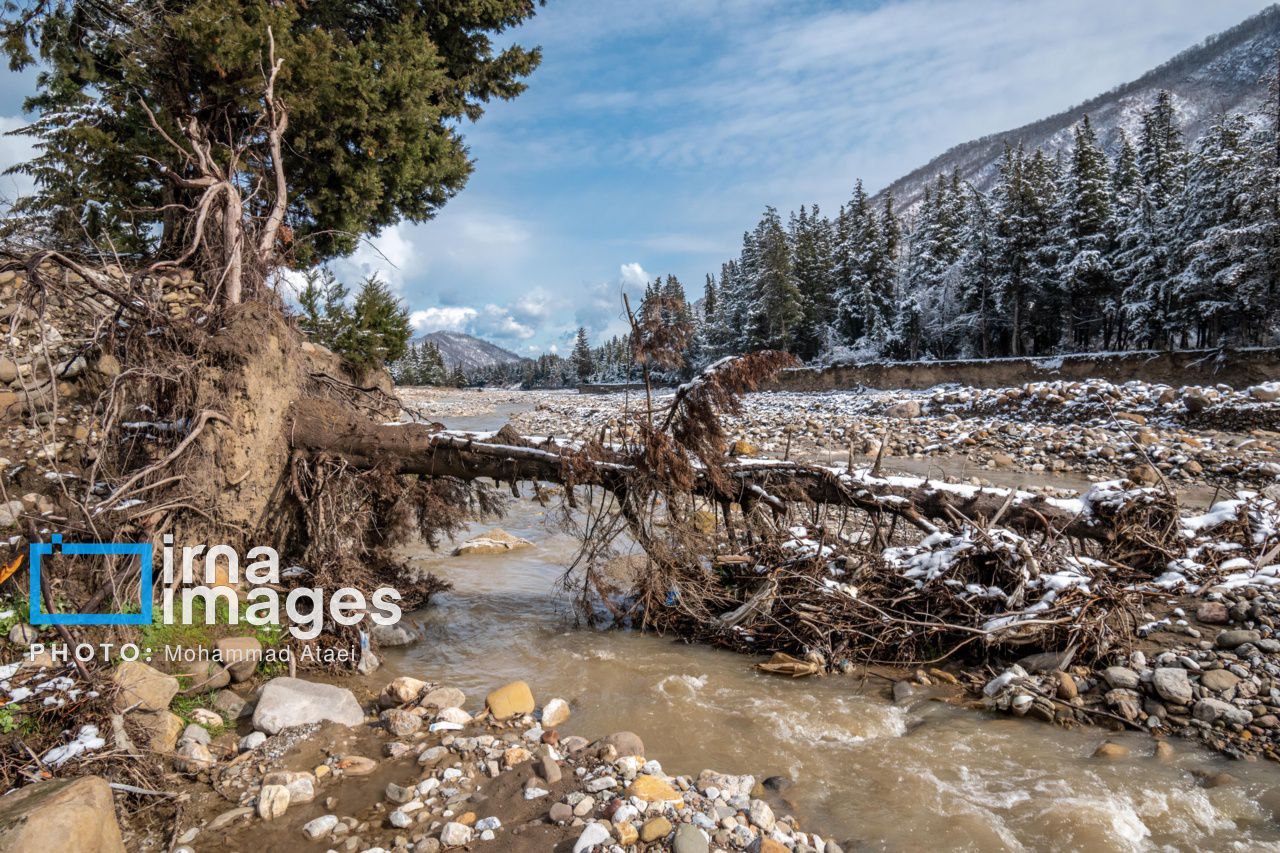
<point x="319" y="427"/>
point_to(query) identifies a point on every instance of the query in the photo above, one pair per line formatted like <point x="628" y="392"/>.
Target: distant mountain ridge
<point x="1226" y="73"/>
<point x="470" y="353"/>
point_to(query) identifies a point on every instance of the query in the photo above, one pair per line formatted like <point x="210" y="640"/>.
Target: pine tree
<point x="1204" y="298"/>
<point x="1023" y="206"/>
<point x="583" y="363"/>
<point x="1256" y="285"/>
<point x="378" y="331"/>
<point x="376" y="96"/>
<point x="933" y="248"/>
<point x="1082" y="241"/>
<point x="1145" y="255"/>
<point x="978" y="277"/>
<point x="855" y="229"/>
<point x="775" y="310"/>
<point x="812" y="239"/>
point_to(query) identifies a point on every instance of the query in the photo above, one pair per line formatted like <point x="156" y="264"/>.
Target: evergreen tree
<point x="812" y="239"/>
<point x="855" y="229"/>
<point x="978" y="280"/>
<point x="583" y="363"/>
<point x="376" y="95"/>
<point x="776" y="308"/>
<point x="378" y="331"/>
<point x="1204" y="301"/>
<point x="1145" y="254"/>
<point x="1023" y="204"/>
<point x="1083" y="241"/>
<point x="1256" y="281"/>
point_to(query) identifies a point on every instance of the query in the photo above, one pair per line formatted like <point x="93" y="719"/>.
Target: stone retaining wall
<point x="609" y="387"/>
<point x="1237" y="368"/>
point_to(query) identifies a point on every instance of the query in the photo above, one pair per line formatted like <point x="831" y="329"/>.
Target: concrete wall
<point x="610" y="387"/>
<point x="1238" y="368"/>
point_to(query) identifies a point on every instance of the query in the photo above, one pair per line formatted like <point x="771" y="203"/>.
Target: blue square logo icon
<point x="141" y="550"/>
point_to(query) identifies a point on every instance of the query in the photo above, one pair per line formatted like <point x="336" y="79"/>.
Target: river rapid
<point x="885" y="776"/>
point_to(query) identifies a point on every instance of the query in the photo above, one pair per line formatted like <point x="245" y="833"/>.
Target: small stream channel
<point x="887" y="776"/>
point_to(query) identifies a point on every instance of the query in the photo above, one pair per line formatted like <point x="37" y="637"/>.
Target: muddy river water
<point x="884" y="775"/>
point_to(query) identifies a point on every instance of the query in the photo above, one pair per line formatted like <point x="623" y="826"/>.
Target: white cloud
<point x="452" y="319"/>
<point x="633" y="275"/>
<point x="495" y="321"/>
<point x="490" y="321"/>
<point x="388" y="255"/>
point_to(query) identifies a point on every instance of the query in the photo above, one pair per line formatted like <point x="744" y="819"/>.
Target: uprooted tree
<point x="197" y="149"/>
<point x="186" y="155"/>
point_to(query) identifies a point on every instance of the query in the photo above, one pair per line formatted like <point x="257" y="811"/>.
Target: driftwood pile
<point x="836" y="566"/>
<point x="839" y="600"/>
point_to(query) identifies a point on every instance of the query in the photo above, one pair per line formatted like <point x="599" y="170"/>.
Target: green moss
<point x="21" y="607"/>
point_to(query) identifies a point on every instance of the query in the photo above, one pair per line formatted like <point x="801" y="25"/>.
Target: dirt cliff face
<point x="241" y="467"/>
<point x="131" y="417"/>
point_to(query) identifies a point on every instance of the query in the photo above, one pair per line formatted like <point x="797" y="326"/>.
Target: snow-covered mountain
<point x="469" y="353"/>
<point x="1227" y="73"/>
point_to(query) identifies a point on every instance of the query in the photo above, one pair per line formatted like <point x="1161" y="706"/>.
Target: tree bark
<point x="322" y="428"/>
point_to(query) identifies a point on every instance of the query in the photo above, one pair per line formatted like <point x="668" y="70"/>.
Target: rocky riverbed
<point x="410" y="770"/>
<point x="1192" y="437"/>
<point x="411" y="763"/>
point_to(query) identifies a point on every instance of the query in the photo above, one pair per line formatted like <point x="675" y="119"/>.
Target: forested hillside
<point x="1223" y="74"/>
<point x="1168" y="243"/>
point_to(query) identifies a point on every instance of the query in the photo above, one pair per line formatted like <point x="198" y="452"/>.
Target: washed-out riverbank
<point x="873" y="763"/>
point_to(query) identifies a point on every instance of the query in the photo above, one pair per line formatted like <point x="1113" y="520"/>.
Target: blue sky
<point x="655" y="133"/>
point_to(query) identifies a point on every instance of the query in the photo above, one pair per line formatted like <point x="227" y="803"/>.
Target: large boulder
<point x="510" y="700"/>
<point x="289" y="702"/>
<point x="69" y="814"/>
<point x="143" y="688"/>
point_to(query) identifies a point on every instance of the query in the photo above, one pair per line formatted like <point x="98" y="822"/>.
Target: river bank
<point x="876" y="763"/>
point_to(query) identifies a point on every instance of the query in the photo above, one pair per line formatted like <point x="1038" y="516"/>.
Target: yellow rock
<point x="655" y="829"/>
<point x="1111" y="750"/>
<point x="515" y="755"/>
<point x="768" y="845"/>
<point x="651" y="789"/>
<point x="626" y="833"/>
<point x="510" y="700"/>
<point x="742" y="447"/>
<point x="162" y="729"/>
<point x="468" y="819"/>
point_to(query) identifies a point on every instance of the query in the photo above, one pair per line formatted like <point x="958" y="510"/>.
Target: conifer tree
<point x="375" y="94"/>
<point x="1082" y="236"/>
<point x="583" y="363"/>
